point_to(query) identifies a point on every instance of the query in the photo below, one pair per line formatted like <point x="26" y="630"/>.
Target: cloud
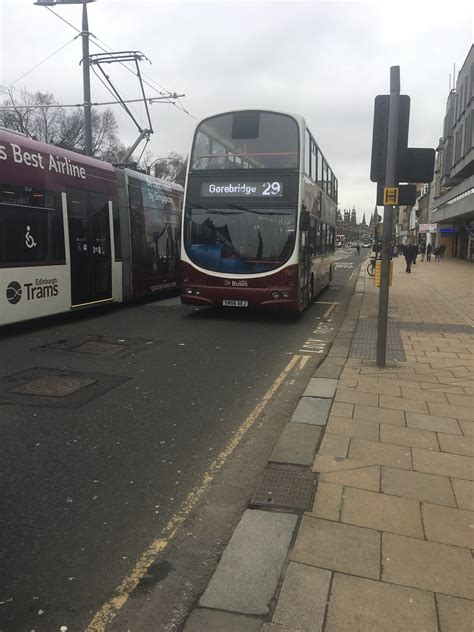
<point x="324" y="60"/>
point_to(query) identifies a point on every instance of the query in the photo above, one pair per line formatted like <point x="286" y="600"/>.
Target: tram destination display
<point x="257" y="189"/>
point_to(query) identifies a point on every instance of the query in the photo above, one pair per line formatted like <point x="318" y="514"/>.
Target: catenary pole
<point x="86" y="82"/>
<point x="390" y="181"/>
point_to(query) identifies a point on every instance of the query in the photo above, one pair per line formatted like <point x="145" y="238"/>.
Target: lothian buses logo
<point x="14" y="292"/>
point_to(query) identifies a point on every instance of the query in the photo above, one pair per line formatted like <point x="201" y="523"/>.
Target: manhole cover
<point x="282" y="487"/>
<point x="53" y="386"/>
<point x="99" y="348"/>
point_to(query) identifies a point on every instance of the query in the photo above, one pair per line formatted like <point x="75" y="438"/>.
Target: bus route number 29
<point x="271" y="188"/>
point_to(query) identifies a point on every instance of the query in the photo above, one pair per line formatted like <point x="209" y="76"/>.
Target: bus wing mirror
<point x="304" y="220"/>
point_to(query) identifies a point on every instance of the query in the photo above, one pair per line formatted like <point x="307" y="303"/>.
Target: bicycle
<point x="371" y="266"/>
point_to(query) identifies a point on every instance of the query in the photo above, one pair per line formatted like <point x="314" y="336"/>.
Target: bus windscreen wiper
<point x="211" y="211"/>
<point x="258" y="212"/>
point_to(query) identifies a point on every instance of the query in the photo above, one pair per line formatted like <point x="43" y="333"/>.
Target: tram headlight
<point x="197" y="292"/>
<point x="275" y="294"/>
<point x="285" y="294"/>
<point x="189" y="290"/>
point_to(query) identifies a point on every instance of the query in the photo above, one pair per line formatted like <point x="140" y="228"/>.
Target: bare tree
<point x="60" y="127"/>
<point x="172" y="168"/>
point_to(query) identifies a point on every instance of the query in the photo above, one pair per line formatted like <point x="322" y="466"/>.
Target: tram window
<point x="31" y="228"/>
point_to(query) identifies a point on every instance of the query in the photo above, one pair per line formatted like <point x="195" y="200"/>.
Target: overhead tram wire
<point x="182" y="109"/>
<point x="34" y="106"/>
<point x="79" y="32"/>
<point x="43" y="61"/>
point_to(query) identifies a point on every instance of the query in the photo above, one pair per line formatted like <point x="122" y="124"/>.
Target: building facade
<point x="452" y="205"/>
<point x="346" y="224"/>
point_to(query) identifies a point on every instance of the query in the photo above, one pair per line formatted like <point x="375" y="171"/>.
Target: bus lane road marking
<point x="318" y="345"/>
<point x="109" y="610"/>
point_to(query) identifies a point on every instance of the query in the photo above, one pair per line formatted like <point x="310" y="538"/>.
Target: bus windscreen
<point x="246" y="140"/>
<point x="238" y="239"/>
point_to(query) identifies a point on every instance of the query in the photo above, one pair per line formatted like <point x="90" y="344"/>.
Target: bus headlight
<point x="189" y="290"/>
<point x="285" y="294"/>
<point x="275" y="294"/>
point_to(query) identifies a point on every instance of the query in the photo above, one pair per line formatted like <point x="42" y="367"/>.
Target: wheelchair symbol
<point x="29" y="241"/>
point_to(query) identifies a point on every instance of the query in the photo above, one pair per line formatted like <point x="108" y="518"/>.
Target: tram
<point x="77" y="232"/>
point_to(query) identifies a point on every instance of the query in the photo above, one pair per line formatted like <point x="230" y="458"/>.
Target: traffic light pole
<point x="390" y="181"/>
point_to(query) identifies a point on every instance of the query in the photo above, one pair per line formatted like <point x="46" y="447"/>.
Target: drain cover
<point x="284" y="487"/>
<point x="53" y="385"/>
<point x="99" y="348"/>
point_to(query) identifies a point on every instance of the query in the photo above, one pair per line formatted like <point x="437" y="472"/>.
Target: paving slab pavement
<point x="393" y="516"/>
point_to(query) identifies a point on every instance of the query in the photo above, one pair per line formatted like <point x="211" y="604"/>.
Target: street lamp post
<point x="86" y="79"/>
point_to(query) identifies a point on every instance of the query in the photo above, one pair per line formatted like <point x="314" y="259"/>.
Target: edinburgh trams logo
<point x="14" y="292"/>
<point x="41" y="288"/>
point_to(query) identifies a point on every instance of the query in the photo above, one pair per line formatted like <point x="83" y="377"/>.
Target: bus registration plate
<point x="232" y="303"/>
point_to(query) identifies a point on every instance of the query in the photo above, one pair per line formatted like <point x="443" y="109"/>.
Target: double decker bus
<point x="259" y="219"/>
<point x="77" y="232"/>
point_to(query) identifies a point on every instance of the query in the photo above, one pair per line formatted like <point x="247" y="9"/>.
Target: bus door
<point x="304" y="256"/>
<point x="89" y="244"/>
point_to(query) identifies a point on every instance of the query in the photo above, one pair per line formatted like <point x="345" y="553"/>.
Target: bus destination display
<point x="242" y="189"/>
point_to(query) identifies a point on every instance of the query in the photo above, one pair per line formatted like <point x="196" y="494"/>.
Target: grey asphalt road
<point x="90" y="481"/>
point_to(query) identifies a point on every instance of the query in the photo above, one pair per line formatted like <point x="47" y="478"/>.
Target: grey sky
<point x="324" y="60"/>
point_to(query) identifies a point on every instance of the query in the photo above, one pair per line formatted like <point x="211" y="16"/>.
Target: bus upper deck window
<point x="245" y="125"/>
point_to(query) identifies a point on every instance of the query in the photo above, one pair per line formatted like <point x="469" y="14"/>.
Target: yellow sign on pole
<point x="390" y="196"/>
<point x="378" y="273"/>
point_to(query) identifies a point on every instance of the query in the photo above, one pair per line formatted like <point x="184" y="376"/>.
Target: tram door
<point x="89" y="245"/>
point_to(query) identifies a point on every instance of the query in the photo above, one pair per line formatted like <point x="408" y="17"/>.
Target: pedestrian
<point x="442" y="250"/>
<point x="429" y="250"/>
<point x="414" y="252"/>
<point x="408" y="254"/>
<point x="358" y="249"/>
<point x="422" y="251"/>
<point x="436" y="253"/>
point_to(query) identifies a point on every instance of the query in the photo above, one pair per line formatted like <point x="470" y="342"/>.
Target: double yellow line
<point x="110" y="609"/>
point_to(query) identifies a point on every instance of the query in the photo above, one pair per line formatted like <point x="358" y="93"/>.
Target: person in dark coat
<point x="408" y="254"/>
<point x="429" y="250"/>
